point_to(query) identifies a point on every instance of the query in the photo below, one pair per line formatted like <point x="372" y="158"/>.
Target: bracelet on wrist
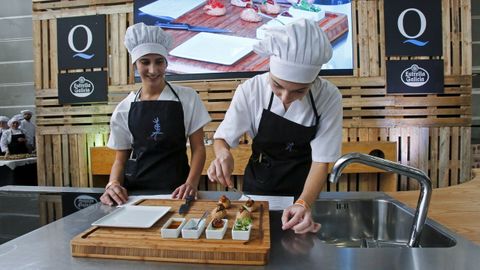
<point x="302" y="203"/>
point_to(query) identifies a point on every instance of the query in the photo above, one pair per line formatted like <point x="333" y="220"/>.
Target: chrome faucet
<point x="421" y="177"/>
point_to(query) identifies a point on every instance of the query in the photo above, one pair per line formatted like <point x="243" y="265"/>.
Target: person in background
<point x="29" y="128"/>
<point x="150" y="128"/>
<point x="294" y="118"/>
<point x="13" y="140"/>
<point x="3" y="127"/>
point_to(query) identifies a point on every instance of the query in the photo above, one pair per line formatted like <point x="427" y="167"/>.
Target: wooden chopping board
<point x="148" y="244"/>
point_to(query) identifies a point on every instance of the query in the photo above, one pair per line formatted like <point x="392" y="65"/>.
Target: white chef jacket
<point x="6" y="138"/>
<point x="252" y="96"/>
<point x="195" y="115"/>
<point x="29" y="129"/>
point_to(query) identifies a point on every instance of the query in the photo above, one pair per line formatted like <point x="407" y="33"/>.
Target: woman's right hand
<point x="221" y="168"/>
<point x="114" y="194"/>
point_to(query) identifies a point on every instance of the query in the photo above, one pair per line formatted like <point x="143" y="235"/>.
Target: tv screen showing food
<point x="214" y="38"/>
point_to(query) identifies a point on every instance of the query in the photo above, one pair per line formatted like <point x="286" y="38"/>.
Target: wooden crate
<point x="441" y="121"/>
<point x="147" y="244"/>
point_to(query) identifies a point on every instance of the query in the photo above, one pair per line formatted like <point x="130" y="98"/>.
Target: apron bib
<point x="16" y="147"/>
<point x="159" y="145"/>
<point x="281" y="155"/>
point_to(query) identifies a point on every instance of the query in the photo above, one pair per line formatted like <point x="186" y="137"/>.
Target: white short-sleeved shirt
<point x="6" y="138"/>
<point x="252" y="96"/>
<point x="194" y="114"/>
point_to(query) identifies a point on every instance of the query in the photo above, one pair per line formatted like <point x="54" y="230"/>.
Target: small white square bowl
<point x="172" y="233"/>
<point x="213" y="233"/>
<point x="188" y="233"/>
<point x="241" y="235"/>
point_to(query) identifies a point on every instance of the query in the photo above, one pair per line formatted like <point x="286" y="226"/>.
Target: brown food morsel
<point x="243" y="213"/>
<point x="225" y="201"/>
<point x="249" y="205"/>
<point x="217" y="223"/>
<point x="219" y="211"/>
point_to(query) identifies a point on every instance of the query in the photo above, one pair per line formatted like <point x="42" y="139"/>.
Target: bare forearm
<point x="315" y="181"/>
<point x="196" y="164"/>
<point x="219" y="146"/>
<point x="118" y="167"/>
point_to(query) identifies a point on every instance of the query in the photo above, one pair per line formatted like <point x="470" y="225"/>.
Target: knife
<point x="184" y="207"/>
<point x="194" y="28"/>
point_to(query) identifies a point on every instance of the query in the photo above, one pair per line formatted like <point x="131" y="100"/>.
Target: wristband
<point x="302" y="203"/>
<point x="111" y="183"/>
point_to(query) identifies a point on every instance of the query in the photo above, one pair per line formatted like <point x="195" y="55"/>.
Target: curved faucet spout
<point x="387" y="165"/>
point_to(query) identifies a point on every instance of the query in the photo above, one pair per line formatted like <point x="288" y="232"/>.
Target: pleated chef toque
<point x="15" y="118"/>
<point x="4" y="119"/>
<point x="142" y="39"/>
<point x="297" y="50"/>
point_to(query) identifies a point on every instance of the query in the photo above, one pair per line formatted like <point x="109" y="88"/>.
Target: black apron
<point x="16" y="147"/>
<point x="281" y="155"/>
<point x="159" y="145"/>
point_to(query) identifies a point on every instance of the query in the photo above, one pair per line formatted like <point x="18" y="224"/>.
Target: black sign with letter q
<point x="413" y="28"/>
<point x="81" y="42"/>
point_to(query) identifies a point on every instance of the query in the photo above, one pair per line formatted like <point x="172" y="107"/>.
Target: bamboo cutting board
<point x="148" y="244"/>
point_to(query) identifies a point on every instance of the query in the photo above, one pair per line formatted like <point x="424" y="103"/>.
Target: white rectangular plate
<point x="171" y="8"/>
<point x="132" y="216"/>
<point x="215" y="48"/>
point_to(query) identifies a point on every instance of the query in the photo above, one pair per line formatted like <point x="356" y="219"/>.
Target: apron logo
<point x="289" y="146"/>
<point x="156" y="127"/>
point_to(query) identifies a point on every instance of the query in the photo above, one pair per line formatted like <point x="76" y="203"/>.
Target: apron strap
<point x="167" y="83"/>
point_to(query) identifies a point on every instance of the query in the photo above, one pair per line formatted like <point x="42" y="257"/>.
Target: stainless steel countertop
<point x="49" y="248"/>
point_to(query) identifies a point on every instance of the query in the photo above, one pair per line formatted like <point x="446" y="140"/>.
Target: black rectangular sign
<point x="83" y="87"/>
<point x="415" y="77"/>
<point x="81" y="42"/>
<point x="413" y="28"/>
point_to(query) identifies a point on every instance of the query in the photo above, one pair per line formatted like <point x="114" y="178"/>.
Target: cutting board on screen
<point x="147" y="243"/>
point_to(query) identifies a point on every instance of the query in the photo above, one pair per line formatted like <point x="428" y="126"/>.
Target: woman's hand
<point x="114" y="193"/>
<point x="221" y="168"/>
<point x="299" y="219"/>
<point x="184" y="190"/>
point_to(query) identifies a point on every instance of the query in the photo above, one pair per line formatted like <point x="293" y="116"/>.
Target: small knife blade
<point x="184" y="207"/>
<point x="194" y="28"/>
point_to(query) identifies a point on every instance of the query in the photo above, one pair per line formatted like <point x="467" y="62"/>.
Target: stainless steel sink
<point x="373" y="223"/>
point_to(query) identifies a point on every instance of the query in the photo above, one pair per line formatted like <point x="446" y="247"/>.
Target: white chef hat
<point x="4" y="118"/>
<point x="15" y="118"/>
<point x="26" y="111"/>
<point x="142" y="39"/>
<point x="297" y="50"/>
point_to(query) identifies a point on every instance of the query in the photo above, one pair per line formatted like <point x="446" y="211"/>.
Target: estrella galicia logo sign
<point x="82" y="87"/>
<point x="413" y="28"/>
<point x="415" y="77"/>
<point x="84" y="201"/>
<point x="81" y="42"/>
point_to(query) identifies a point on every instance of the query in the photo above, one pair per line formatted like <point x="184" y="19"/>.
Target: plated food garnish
<point x="242" y="224"/>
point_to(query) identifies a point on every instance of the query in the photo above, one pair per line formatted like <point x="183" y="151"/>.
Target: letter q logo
<point x="423" y="25"/>
<point x="71" y="41"/>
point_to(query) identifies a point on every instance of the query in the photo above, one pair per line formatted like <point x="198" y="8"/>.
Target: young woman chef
<point x="294" y="118"/>
<point x="13" y="140"/>
<point x="149" y="128"/>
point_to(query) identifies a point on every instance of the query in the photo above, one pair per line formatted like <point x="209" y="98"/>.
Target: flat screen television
<point x="210" y="47"/>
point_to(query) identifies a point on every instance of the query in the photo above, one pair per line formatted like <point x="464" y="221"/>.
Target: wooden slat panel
<point x="446" y="37"/>
<point x="455" y="32"/>
<point x="57" y="160"/>
<point x="373" y="43"/>
<point x="48" y="161"/>
<point x="74" y="170"/>
<point x="466" y="37"/>
<point x="53" y="53"/>
<point x="66" y="161"/>
<point x="465" y="154"/>
<point x="82" y="160"/>
<point x="444" y="157"/>
<point x="37" y="55"/>
<point x="123" y="55"/>
<point x="41" y="177"/>
<point x="454" y="161"/>
<point x="114" y="49"/>
<point x="434" y="144"/>
<point x="45" y="58"/>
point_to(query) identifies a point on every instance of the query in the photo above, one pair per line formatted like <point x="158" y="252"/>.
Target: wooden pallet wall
<point x="439" y="121"/>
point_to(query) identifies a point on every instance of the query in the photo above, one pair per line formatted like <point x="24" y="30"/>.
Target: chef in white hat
<point x="13" y="140"/>
<point x="294" y="118"/>
<point x="150" y="127"/>
<point x="29" y="129"/>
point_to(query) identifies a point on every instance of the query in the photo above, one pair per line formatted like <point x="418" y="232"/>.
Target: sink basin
<point x="372" y="223"/>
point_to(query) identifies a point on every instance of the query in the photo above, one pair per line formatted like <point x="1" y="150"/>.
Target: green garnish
<point x="242" y="224"/>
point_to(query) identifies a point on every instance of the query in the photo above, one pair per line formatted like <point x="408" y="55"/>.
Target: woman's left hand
<point x="184" y="190"/>
<point x="299" y="219"/>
